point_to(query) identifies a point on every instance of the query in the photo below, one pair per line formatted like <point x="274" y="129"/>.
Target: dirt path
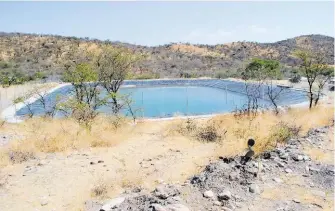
<point x="64" y="182"/>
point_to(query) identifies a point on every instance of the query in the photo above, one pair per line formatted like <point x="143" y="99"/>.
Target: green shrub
<point x="282" y="132"/>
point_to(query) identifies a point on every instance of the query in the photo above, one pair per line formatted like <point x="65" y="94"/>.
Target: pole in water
<point x="226" y="94"/>
<point x="142" y="106"/>
<point x="186" y="101"/>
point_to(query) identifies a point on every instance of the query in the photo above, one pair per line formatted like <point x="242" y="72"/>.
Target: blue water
<point x="167" y="98"/>
<point x="169" y="101"/>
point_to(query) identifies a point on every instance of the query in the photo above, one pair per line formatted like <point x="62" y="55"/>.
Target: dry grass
<point x="100" y="189"/>
<point x="267" y="129"/>
<point x="304" y="195"/>
<point x="326" y="153"/>
<point x="59" y="135"/>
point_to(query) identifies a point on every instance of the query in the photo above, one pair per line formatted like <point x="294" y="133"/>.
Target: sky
<point x="158" y="23"/>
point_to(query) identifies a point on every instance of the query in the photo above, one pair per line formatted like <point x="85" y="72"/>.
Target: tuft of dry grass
<point x="100" y="189"/>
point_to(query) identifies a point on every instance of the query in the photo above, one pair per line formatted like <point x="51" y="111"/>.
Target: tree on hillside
<point x="113" y="66"/>
<point x="314" y="67"/>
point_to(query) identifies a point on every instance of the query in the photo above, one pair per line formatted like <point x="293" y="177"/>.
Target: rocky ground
<point x="284" y="179"/>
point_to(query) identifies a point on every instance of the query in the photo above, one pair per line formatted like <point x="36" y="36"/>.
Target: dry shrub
<point x="18" y="152"/>
<point x="131" y="182"/>
<point x="279" y="134"/>
<point x="210" y="131"/>
<point x="100" y="190"/>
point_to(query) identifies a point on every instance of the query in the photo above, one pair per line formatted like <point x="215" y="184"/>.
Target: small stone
<point x="164" y="192"/>
<point x="44" y="202"/>
<point x="176" y="207"/>
<point x="100" y="161"/>
<point x="217" y="203"/>
<point x="208" y="194"/>
<point x="299" y="158"/>
<point x="307" y="169"/>
<point x="306" y="158"/>
<point x="158" y="207"/>
<point x="314" y="169"/>
<point x="283" y="156"/>
<point x="253" y="188"/>
<point x="42" y="163"/>
<point x="267" y="155"/>
<point x="91" y="163"/>
<point x="296" y="200"/>
<point x="226" y="209"/>
<point x="277" y="180"/>
<point x="233" y="176"/>
<point x="225" y="195"/>
<point x="114" y="203"/>
<point x="280" y="164"/>
<point x="288" y="170"/>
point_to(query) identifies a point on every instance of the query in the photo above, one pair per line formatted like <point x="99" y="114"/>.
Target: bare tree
<point x="274" y="92"/>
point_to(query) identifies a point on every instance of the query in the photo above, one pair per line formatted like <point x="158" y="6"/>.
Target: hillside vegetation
<point x="48" y="55"/>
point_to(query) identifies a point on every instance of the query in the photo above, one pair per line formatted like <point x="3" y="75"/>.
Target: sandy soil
<point x="66" y="180"/>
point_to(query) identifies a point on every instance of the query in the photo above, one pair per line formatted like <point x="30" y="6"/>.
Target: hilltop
<point x="31" y="53"/>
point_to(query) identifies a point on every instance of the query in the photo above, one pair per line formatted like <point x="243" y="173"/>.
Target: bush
<point x="295" y="79"/>
<point x="209" y="132"/>
<point x="282" y="132"/>
<point x="295" y="76"/>
<point x="99" y="190"/>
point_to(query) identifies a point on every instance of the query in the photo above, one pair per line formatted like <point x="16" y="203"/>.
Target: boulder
<point x="253" y="188"/>
<point x="208" y="194"/>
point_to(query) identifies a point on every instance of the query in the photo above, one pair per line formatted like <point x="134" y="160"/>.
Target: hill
<point x="31" y="53"/>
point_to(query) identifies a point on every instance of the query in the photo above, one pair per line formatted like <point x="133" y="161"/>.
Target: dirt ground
<point x="66" y="179"/>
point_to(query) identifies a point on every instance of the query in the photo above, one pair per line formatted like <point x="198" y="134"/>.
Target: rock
<point x="91" y="163"/>
<point x="296" y="200"/>
<point x="42" y="163"/>
<point x="111" y="204"/>
<point x="298" y="157"/>
<point x="44" y="202"/>
<point x="158" y="207"/>
<point x="313" y="169"/>
<point x="176" y="207"/>
<point x="280" y="164"/>
<point x="267" y="155"/>
<point x="164" y="192"/>
<point x="307" y="169"/>
<point x="320" y="130"/>
<point x="226" y="209"/>
<point x="217" y="203"/>
<point x="234" y="176"/>
<point x="278" y="180"/>
<point x="287" y="170"/>
<point x="306" y="158"/>
<point x="100" y="161"/>
<point x="225" y="195"/>
<point x="209" y="194"/>
<point x="253" y="188"/>
<point x="283" y="156"/>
